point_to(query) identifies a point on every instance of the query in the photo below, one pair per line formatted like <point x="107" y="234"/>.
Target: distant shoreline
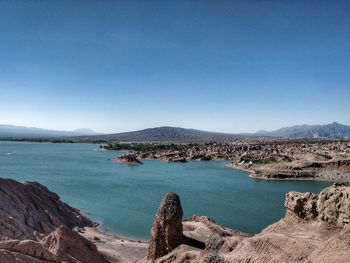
<point x="276" y="173"/>
<point x="320" y="178"/>
<point x="47" y="141"/>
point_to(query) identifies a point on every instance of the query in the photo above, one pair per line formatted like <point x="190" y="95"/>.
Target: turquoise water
<point x="124" y="199"/>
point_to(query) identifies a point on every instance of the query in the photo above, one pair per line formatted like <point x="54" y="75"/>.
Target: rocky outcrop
<point x="211" y="225"/>
<point x="62" y="245"/>
<point x="167" y="227"/>
<point x="29" y="210"/>
<point x="330" y="207"/>
<point x="35" y="226"/>
<point x="29" y="249"/>
<point x="14" y="257"/>
<point x="301" y="205"/>
<point x="333" y="206"/>
<point x="69" y="246"/>
<point x="335" y="169"/>
<point x="316" y="229"/>
<point x="127" y="159"/>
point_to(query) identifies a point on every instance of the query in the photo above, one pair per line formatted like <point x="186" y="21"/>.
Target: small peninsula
<point x="264" y="157"/>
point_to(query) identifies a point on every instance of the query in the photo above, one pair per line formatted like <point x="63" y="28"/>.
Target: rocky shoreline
<point x="316" y="228"/>
<point x="37" y="227"/>
<point x="269" y="159"/>
<point x="323" y="177"/>
<point x="127" y="159"/>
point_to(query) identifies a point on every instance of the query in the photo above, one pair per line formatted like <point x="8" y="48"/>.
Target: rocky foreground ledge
<point x="36" y="227"/>
<point x="316" y="228"/>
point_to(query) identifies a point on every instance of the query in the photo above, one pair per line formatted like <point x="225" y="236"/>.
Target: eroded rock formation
<point x="301" y="205"/>
<point x="69" y="246"/>
<point x="316" y="229"/>
<point x="333" y="206"/>
<point x="35" y="226"/>
<point x="265" y="158"/>
<point x="128" y="159"/>
<point x="29" y="210"/>
<point x="167" y="227"/>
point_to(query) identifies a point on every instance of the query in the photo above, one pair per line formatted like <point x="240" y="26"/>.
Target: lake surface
<point x="124" y="199"/>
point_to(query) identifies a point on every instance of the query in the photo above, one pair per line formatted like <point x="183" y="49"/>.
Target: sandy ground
<point x="123" y="250"/>
<point x="116" y="249"/>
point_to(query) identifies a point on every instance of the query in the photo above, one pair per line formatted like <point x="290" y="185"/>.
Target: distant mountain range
<point x="176" y="134"/>
<point x="330" y="131"/>
<point x="172" y="134"/>
<point x="11" y="131"/>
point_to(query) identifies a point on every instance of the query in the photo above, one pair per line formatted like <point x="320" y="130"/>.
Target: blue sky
<point x="231" y="66"/>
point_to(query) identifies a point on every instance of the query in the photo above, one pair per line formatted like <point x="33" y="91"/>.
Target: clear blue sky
<point x="231" y="66"/>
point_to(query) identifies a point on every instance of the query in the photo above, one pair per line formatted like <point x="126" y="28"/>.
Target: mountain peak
<point x="335" y="124"/>
<point x="332" y="130"/>
<point x="12" y="131"/>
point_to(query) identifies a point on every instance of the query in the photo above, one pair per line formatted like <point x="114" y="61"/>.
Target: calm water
<point x="124" y="199"/>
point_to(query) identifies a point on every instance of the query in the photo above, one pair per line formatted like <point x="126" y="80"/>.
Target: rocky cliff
<point x="35" y="226"/>
<point x="316" y="228"/>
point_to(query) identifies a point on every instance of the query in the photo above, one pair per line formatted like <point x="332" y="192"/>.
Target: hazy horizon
<point x="223" y="66"/>
<point x="85" y="129"/>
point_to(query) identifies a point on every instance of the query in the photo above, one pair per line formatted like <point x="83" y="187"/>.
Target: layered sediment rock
<point x="301" y="205"/>
<point x="29" y="210"/>
<point x="333" y="206"/>
<point x="316" y="228"/>
<point x="167" y="227"/>
<point x="69" y="246"/>
<point x="62" y="245"/>
<point x="35" y="226"/>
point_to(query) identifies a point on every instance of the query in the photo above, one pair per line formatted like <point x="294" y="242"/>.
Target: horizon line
<point x="164" y="126"/>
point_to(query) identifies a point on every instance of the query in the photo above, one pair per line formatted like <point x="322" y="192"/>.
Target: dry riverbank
<point x="116" y="249"/>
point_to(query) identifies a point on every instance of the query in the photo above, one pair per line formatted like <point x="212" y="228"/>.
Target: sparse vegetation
<point x="147" y="147"/>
